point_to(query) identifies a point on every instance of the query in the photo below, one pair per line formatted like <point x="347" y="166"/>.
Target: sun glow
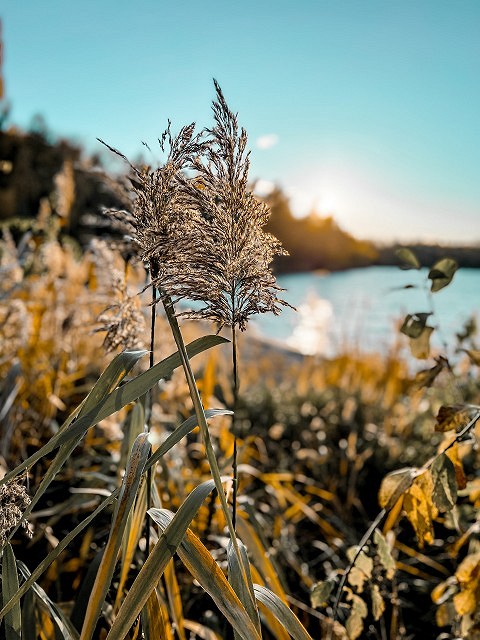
<point x="358" y="201"/>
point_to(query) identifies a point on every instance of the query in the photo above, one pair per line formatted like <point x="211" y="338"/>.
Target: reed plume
<point x="161" y="217"/>
<point x="233" y="251"/>
<point x="14" y="500"/>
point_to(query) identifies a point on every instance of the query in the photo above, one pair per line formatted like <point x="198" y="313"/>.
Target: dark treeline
<point x="30" y="165"/>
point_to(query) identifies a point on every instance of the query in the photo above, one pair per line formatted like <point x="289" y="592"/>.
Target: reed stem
<point x="202" y="423"/>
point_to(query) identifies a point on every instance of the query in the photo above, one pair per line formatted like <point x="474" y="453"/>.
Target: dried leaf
<point x="445" y="615"/>
<point x="451" y="417"/>
<point x="320" y="593"/>
<point x="444" y="483"/>
<point x="394" y="486"/>
<point x="427" y="377"/>
<point x="444" y="591"/>
<point x="384" y="554"/>
<point x="359" y="611"/>
<point x="362" y="569"/>
<point x="452" y="453"/>
<point x="420" y="347"/>
<point x="464" y="602"/>
<point x="378" y="603"/>
<point x="469" y="569"/>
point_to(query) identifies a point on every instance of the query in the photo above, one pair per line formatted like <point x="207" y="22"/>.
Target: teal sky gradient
<point x="374" y="105"/>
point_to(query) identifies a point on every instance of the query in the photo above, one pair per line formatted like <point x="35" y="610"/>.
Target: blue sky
<point x="364" y="109"/>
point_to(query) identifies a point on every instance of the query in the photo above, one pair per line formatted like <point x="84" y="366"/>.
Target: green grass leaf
<point x="13" y="620"/>
<point x="128" y="493"/>
<point x="154" y="566"/>
<point x="206" y="571"/>
<point x="116" y="371"/>
<point x="115" y="401"/>
<point x="65" y="628"/>
<point x="243" y="590"/>
<point x="284" y="615"/>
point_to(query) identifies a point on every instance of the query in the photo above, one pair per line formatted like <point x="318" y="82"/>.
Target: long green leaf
<point x="29" y="627"/>
<point x="116" y="400"/>
<point x="284" y="615"/>
<point x="54" y="553"/>
<point x="169" y="443"/>
<point x="206" y="571"/>
<point x="13" y="621"/>
<point x="128" y="493"/>
<point x="181" y="431"/>
<point x="116" y="371"/>
<point x="61" y="621"/>
<point x="243" y="591"/>
<point x="154" y="566"/>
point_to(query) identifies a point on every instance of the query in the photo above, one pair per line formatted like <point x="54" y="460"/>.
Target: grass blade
<point x="115" y="401"/>
<point x="13" y="621"/>
<point x="174" y="599"/>
<point x="154" y="566"/>
<point x="284" y="615"/>
<point x="128" y="493"/>
<point x="29" y="627"/>
<point x="243" y="591"/>
<point x="54" y="553"/>
<point x="259" y="555"/>
<point x="62" y="623"/>
<point x="115" y="372"/>
<point x="181" y="431"/>
<point x="206" y="571"/>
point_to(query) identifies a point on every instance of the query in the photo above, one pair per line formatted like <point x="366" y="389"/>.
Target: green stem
<point x="202" y="423"/>
<point x="149" y="415"/>
<point x="234" y="425"/>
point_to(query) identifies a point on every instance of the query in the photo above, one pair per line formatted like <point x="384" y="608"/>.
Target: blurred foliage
<point x="326" y="448"/>
<point x="316" y="439"/>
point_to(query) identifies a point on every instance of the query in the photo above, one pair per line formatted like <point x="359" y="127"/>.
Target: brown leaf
<point x="427" y="377"/>
<point x="474" y="356"/>
<point x="394" y="486"/>
<point x="451" y="417"/>
<point x="452" y="453"/>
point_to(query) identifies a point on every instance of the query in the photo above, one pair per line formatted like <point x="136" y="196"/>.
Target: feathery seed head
<point x="235" y="253"/>
<point x="14" y="500"/>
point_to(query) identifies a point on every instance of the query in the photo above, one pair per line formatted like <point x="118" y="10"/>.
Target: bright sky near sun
<point x="364" y="109"/>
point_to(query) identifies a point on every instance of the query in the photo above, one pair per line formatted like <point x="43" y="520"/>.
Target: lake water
<point x="363" y="307"/>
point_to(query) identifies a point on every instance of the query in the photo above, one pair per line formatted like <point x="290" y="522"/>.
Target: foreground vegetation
<point x="353" y="507"/>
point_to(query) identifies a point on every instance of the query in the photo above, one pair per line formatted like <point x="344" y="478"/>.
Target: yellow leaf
<point x="420" y="509"/>
<point x="464" y="602"/>
<point x="444" y="615"/>
<point x="469" y="569"/>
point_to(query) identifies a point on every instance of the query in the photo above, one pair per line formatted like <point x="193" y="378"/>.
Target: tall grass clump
<point x="211" y="249"/>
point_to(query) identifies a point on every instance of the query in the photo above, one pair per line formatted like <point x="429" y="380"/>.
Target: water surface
<point x="363" y="307"/>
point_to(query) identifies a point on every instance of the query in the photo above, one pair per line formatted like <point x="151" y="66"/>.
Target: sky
<point x="366" y="110"/>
